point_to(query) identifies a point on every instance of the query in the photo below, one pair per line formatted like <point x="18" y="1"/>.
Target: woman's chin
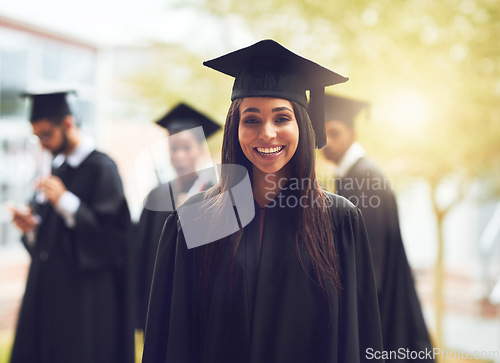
<point x="270" y="169"/>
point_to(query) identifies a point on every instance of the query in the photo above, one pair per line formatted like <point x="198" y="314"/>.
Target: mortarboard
<point x="343" y="109"/>
<point x="183" y="117"/>
<point x="267" y="69"/>
<point x="45" y="105"/>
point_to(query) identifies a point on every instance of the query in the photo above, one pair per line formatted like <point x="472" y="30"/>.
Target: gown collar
<point x="352" y="155"/>
<point x="81" y="152"/>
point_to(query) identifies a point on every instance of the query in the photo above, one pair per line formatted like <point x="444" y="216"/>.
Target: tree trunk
<point x="438" y="273"/>
<point x="439" y="285"/>
<point x="439" y="270"/>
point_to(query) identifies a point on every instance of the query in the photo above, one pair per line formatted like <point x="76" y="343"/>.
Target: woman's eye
<point x="282" y="119"/>
<point x="250" y="121"/>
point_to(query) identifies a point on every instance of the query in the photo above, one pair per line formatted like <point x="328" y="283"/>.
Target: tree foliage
<point x="443" y="50"/>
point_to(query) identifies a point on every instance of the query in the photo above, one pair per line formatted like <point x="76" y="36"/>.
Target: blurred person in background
<point x="186" y="147"/>
<point x="76" y="307"/>
<point x="360" y="180"/>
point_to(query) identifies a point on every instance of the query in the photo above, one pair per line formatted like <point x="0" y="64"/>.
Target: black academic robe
<point x="76" y="307"/>
<point x="267" y="307"/>
<point x="403" y="325"/>
<point x="148" y="234"/>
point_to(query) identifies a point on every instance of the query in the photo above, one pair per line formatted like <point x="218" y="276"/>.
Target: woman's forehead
<point x="264" y="103"/>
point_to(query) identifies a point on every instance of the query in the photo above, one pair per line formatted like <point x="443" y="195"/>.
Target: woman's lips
<point x="269" y="152"/>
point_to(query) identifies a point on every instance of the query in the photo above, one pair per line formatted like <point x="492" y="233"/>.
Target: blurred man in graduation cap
<point x="360" y="180"/>
<point x="187" y="129"/>
<point x="76" y="304"/>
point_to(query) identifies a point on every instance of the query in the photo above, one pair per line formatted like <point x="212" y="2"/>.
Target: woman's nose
<point x="268" y="131"/>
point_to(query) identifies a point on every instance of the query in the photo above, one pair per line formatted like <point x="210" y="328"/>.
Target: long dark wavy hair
<point x="314" y="224"/>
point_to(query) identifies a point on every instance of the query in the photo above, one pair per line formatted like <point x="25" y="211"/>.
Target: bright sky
<point x="126" y="21"/>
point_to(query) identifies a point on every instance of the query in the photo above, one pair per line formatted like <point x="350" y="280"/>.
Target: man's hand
<point x="52" y="187"/>
<point x="24" y="220"/>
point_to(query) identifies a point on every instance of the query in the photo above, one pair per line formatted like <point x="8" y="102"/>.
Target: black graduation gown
<point x="148" y="235"/>
<point x="403" y="325"/>
<point x="275" y="312"/>
<point x="76" y="307"/>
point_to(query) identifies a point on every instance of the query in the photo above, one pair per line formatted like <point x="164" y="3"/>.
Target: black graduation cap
<point x="338" y="108"/>
<point x="183" y="117"/>
<point x="267" y="69"/>
<point x="46" y="105"/>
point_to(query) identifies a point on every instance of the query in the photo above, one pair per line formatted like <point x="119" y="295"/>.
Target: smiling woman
<point x="296" y="283"/>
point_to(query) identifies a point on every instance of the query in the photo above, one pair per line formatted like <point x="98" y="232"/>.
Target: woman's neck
<point x="267" y="186"/>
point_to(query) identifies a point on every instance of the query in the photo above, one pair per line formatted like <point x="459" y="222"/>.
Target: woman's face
<point x="268" y="132"/>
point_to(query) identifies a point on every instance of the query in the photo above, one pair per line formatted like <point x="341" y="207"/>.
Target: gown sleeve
<point x="101" y="234"/>
<point x="172" y="298"/>
<point x="29" y="241"/>
<point x="148" y="232"/>
<point x="360" y="331"/>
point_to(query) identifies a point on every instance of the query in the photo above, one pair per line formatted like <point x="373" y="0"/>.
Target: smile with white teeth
<point x="270" y="150"/>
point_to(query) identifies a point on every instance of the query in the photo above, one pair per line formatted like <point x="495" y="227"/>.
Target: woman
<point x="185" y="143"/>
<point x="294" y="285"/>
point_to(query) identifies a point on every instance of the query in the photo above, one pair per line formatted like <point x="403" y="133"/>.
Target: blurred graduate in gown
<point x="76" y="307"/>
<point x="187" y="129"/>
<point x="361" y="181"/>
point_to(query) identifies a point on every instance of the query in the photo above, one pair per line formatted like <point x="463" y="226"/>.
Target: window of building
<point x="12" y="82"/>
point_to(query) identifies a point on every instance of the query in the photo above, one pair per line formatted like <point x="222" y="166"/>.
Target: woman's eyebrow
<point x="251" y="109"/>
<point x="278" y="109"/>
